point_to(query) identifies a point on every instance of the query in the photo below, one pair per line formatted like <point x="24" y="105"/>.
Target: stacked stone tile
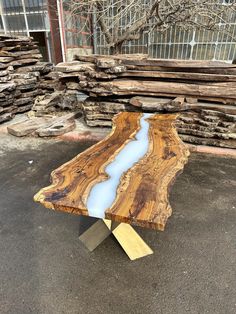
<point x="21" y="75"/>
<point x="202" y="92"/>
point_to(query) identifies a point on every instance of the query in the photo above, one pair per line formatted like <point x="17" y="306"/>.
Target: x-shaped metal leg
<point x="133" y="245"/>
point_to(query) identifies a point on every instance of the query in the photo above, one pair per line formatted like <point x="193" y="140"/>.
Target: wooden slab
<point x="184" y="76"/>
<point x="153" y="88"/>
<point x="142" y="59"/>
<point x="141" y="197"/>
<point x="43" y="126"/>
<point x="58" y="126"/>
<point x="27" y="127"/>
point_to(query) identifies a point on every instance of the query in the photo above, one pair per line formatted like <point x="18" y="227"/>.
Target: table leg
<point x="96" y="234"/>
<point x="133" y="245"/>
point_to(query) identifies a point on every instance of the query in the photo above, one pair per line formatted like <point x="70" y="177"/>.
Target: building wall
<point x="61" y="35"/>
<point x="24" y="16"/>
<point x="27" y="17"/>
<point x="50" y="23"/>
<point x="77" y="31"/>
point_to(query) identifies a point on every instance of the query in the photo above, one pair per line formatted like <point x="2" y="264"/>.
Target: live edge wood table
<point x="123" y="180"/>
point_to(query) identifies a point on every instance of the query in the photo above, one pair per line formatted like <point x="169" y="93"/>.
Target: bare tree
<point x="148" y="15"/>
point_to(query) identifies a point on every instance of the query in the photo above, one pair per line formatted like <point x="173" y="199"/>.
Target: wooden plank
<point x="94" y="58"/>
<point x="154" y="104"/>
<point x="133" y="87"/>
<point x="42" y="126"/>
<point x="74" y="66"/>
<point x="100" y="123"/>
<point x="142" y="193"/>
<point x="208" y="141"/>
<point x="180" y="75"/>
<point x="211" y="70"/>
<point x="212" y="106"/>
<point x="162" y="104"/>
<point x="58" y="126"/>
<point x="142" y="59"/>
<point x="174" y="63"/>
<point x="27" y="127"/>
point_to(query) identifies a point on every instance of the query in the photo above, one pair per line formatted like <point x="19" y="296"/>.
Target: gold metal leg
<point x="96" y="234"/>
<point x="130" y="241"/>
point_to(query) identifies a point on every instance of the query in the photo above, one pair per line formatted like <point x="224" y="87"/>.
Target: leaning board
<point x="126" y="177"/>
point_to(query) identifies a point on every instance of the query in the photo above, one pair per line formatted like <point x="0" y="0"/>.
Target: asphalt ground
<point x="45" y="269"/>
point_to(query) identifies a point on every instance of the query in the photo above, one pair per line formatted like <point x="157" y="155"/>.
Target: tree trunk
<point x="116" y="49"/>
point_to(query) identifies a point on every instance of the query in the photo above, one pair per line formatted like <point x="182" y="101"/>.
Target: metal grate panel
<point x="176" y="43"/>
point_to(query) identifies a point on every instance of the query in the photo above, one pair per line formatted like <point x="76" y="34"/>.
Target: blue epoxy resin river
<point x="103" y="194"/>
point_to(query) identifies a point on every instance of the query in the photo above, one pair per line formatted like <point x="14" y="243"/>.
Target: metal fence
<point x="177" y="43"/>
<point x="23" y="16"/>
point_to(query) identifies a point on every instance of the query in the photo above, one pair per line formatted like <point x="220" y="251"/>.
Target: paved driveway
<point x="45" y="269"/>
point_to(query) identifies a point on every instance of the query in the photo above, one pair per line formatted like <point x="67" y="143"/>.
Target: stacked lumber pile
<point x="49" y="79"/>
<point x="57" y="101"/>
<point x="64" y="95"/>
<point x="21" y="74"/>
<point x="203" y="92"/>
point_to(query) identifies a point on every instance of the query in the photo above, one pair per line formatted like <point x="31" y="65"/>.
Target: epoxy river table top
<point x="126" y="176"/>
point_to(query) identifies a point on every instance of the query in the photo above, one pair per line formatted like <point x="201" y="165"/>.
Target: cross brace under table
<point x="133" y="245"/>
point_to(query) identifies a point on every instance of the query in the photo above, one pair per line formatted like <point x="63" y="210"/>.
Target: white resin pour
<point x="103" y="194"/>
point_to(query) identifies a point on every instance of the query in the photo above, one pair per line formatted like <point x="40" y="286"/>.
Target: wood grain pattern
<point x="142" y="197"/>
<point x="72" y="181"/>
<point x="179" y="75"/>
<point x="142" y="194"/>
<point x="144" y="60"/>
<point x="152" y="88"/>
